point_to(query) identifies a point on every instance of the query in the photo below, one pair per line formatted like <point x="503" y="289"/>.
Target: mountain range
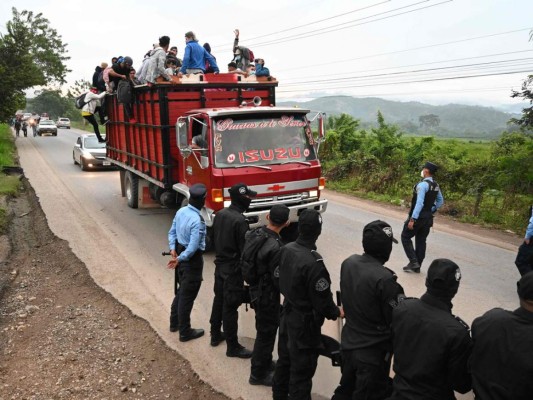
<point x="456" y="120"/>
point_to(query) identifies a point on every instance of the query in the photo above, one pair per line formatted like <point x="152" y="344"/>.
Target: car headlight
<point x="88" y="156"/>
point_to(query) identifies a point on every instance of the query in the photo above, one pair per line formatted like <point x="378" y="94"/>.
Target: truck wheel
<point x="132" y="189"/>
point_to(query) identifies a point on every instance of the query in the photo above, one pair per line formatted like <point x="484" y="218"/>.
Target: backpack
<point x="254" y="240"/>
<point x="124" y="92"/>
<point x="80" y="101"/>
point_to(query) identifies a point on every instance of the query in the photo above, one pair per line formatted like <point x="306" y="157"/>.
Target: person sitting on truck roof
<point x="260" y="69"/>
<point x="208" y="68"/>
<point x="250" y="70"/>
<point x="232" y="67"/>
<point x="92" y="99"/>
<point x="195" y="57"/>
<point x="156" y="63"/>
<point x="171" y="65"/>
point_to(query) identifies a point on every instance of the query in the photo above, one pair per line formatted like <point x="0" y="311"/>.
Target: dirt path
<point x="62" y="336"/>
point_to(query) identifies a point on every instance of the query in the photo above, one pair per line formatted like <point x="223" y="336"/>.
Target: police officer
<point x="186" y="240"/>
<point x="369" y="292"/>
<point x="264" y="292"/>
<point x="431" y="346"/>
<point x="502" y="358"/>
<point x="427" y="199"/>
<point x="229" y="229"/>
<point x="305" y="284"/>
<point x="524" y="258"/>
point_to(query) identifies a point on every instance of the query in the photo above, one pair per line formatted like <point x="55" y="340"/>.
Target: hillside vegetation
<point x="455" y="120"/>
<point x="490" y="183"/>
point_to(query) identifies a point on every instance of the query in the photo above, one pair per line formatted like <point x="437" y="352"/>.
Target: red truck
<point x="219" y="130"/>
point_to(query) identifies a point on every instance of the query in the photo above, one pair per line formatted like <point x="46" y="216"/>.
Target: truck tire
<point x="131" y="183"/>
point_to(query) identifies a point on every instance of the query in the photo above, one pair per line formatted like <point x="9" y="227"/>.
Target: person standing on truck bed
<point x="120" y="71"/>
<point x="186" y="240"/>
<point x="229" y="230"/>
<point x="155" y="66"/>
<point x="195" y="57"/>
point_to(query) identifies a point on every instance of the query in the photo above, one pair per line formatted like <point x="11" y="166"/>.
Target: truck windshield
<point x="275" y="139"/>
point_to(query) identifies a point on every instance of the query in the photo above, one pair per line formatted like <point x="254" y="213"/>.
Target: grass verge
<point x="9" y="185"/>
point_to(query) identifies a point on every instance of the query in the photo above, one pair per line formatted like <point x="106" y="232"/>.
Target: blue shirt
<point x="529" y="230"/>
<point x="188" y="229"/>
<point x="421" y="189"/>
<point x="195" y="56"/>
<point x="261" y="70"/>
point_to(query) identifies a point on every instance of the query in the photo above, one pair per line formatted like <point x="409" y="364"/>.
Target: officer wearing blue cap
<point x="186" y="240"/>
<point x="427" y="199"/>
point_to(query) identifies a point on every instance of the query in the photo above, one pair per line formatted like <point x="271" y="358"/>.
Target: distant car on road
<point x="89" y="153"/>
<point x="63" y="123"/>
<point x="46" y="126"/>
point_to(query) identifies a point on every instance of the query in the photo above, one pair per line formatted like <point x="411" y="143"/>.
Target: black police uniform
<point x="229" y="229"/>
<point x="305" y="283"/>
<point x="265" y="300"/>
<point x="422" y="225"/>
<point x="431" y="350"/>
<point x="369" y="293"/>
<point x="502" y="358"/>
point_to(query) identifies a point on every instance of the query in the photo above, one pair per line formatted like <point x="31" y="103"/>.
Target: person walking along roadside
<point x="427" y="199"/>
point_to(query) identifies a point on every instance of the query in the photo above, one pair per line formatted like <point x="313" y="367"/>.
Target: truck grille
<point x="267" y="202"/>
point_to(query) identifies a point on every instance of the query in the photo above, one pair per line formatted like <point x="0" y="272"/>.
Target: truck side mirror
<point x="181" y="138"/>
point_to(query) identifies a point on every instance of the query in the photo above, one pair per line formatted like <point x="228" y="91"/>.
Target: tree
<point x="53" y="103"/>
<point x="429" y="121"/>
<point x="31" y="54"/>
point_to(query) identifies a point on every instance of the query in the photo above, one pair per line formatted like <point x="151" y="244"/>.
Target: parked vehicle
<point x="240" y="136"/>
<point x="89" y="153"/>
<point x="63" y="123"/>
<point x="46" y="126"/>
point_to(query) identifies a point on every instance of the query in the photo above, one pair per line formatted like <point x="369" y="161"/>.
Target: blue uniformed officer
<point x="186" y="240"/>
<point x="427" y="199"/>
<point x="524" y="258"/>
<point x="305" y="284"/>
<point x="431" y="346"/>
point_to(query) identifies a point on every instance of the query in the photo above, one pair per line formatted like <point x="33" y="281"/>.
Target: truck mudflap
<point x="258" y="218"/>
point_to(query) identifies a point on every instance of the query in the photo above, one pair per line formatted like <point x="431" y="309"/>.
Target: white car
<point x="46" y="126"/>
<point x="89" y="153"/>
<point x="63" y="123"/>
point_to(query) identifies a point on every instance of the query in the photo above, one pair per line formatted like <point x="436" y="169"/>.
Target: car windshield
<point x="47" y="122"/>
<point x="276" y="139"/>
<point x="63" y="119"/>
<point x="92" y="143"/>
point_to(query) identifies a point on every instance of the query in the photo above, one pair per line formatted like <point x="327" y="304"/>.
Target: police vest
<point x="429" y="199"/>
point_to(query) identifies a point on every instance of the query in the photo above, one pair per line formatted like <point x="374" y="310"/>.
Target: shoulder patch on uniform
<point x="465" y="325"/>
<point x="321" y="285"/>
<point x="276" y="272"/>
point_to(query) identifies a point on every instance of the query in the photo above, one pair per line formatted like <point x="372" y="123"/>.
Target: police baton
<point x="176" y="276"/>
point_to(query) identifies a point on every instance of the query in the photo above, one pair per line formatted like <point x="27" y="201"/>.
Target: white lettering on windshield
<point x="285" y="121"/>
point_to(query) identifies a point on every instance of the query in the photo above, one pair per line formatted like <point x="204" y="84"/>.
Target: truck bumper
<point x="258" y="218"/>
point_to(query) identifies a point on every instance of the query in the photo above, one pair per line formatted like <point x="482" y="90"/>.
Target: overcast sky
<point x="396" y="49"/>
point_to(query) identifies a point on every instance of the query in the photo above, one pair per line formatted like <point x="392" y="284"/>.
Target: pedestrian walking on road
<point x="305" y="284"/>
<point x="186" y="240"/>
<point x="229" y="230"/>
<point x="502" y="358"/>
<point x="427" y="199"/>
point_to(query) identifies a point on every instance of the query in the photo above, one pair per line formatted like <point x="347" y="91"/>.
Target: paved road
<point x="121" y="248"/>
